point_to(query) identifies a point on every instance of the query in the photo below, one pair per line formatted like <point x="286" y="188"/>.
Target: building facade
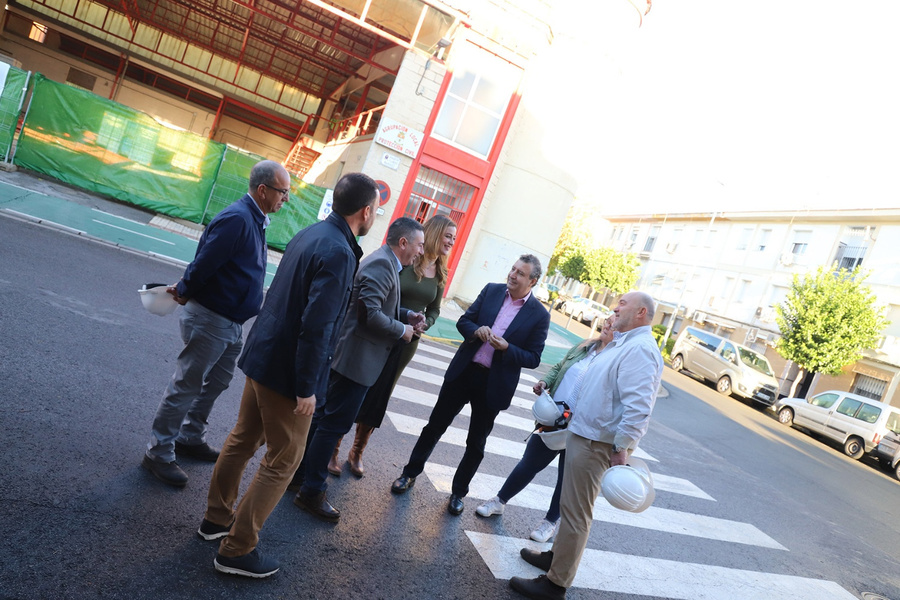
<point x="726" y="272"/>
<point x="429" y="98"/>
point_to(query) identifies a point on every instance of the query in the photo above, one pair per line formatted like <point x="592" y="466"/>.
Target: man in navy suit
<point x="503" y="331"/>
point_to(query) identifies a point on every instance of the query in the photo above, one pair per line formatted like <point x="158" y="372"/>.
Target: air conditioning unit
<point x="700" y="317"/>
<point x="787" y="259"/>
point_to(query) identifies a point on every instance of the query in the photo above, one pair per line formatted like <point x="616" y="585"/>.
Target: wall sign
<point x="399" y="137"/>
<point x="327" y="201"/>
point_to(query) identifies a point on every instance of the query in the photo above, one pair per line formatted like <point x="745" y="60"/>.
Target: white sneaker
<point x="490" y="508"/>
<point x="545" y="531"/>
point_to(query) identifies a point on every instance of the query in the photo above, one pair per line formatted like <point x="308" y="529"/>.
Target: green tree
<point x="602" y="268"/>
<point x="577" y="235"/>
<point x="574" y="266"/>
<point x="610" y="269"/>
<point x="827" y="320"/>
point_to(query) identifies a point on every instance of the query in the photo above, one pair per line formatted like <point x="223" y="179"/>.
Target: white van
<point x="855" y="421"/>
<point x="735" y="369"/>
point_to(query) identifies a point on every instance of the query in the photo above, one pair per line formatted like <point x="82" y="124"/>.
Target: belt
<point x="479" y="366"/>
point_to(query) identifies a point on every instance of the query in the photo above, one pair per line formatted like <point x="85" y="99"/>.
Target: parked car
<point x="888" y="452"/>
<point x="856" y="422"/>
<point x="546" y="292"/>
<point x="586" y="311"/>
<point x="735" y="369"/>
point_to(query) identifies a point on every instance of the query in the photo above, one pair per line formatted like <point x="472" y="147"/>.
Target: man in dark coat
<point x="286" y="361"/>
<point x="503" y="331"/>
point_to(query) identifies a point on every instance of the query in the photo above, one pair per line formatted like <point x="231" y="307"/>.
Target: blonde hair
<point x="435" y="228"/>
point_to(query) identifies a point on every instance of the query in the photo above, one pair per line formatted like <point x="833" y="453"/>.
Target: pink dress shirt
<point x="508" y="311"/>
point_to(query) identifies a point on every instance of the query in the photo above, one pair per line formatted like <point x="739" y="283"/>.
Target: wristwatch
<point x="617" y="449"/>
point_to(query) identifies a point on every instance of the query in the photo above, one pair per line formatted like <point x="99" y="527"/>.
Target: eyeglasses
<point x="281" y="191"/>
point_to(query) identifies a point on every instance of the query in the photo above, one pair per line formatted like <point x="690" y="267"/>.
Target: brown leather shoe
<point x="354" y="459"/>
<point x="334" y="465"/>
<point x="317" y="506"/>
<point x="540" y="588"/>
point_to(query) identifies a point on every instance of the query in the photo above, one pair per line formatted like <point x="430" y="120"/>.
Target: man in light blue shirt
<point x="614" y="396"/>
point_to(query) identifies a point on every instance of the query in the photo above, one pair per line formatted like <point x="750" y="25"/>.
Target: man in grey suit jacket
<point x="375" y="322"/>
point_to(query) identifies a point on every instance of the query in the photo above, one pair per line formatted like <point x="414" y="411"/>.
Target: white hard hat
<point x="547" y="411"/>
<point x="628" y="487"/>
<point x="554" y="440"/>
<point x="156" y="300"/>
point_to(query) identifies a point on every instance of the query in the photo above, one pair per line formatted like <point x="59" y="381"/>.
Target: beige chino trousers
<point x="265" y="417"/>
<point x="586" y="461"/>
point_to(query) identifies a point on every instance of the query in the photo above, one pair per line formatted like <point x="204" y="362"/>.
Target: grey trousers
<point x="205" y="366"/>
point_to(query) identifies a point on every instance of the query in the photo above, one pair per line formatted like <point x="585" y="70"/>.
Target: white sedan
<point x="585" y="310"/>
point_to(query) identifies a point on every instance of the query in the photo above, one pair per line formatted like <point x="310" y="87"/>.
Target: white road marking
<point x="134" y="232"/>
<point x="428" y="361"/>
<point x="428" y="399"/>
<point x="624" y="574"/>
<point x="438" y="380"/>
<point x="449" y="354"/>
<point x="108" y="214"/>
<point x="486" y="486"/>
<point x="457" y="437"/>
<point x="666" y="520"/>
<point x="435" y="350"/>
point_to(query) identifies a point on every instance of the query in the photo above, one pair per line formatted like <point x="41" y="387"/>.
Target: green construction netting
<point x="301" y="210"/>
<point x="10" y="105"/>
<point x="105" y="147"/>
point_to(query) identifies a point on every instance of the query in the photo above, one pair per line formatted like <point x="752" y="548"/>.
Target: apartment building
<point x="726" y="272"/>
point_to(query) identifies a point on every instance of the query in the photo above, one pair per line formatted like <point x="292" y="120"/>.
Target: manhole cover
<point x="871" y="596"/>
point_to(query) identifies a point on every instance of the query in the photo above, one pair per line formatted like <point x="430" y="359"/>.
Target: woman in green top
<point x="421" y="289"/>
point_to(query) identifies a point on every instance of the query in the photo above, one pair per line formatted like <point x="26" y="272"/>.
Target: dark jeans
<point x="331" y="421"/>
<point x="469" y="387"/>
<point x="535" y="459"/>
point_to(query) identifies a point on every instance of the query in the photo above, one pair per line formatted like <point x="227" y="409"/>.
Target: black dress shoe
<point x="202" y="451"/>
<point x="170" y="473"/>
<point x="402" y="483"/>
<point x="541" y="560"/>
<point x="317" y="506"/>
<point x="540" y="588"/>
<point x="455" y="505"/>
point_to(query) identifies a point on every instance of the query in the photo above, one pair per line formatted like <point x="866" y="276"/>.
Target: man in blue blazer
<point x="503" y="331"/>
<point x="286" y="360"/>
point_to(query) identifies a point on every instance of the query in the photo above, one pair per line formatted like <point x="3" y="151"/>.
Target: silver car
<point x="735" y="369"/>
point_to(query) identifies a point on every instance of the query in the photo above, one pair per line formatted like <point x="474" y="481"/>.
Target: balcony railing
<point x="362" y="124"/>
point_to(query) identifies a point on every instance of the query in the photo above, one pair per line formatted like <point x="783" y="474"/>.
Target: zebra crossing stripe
<point x="504" y="418"/>
<point x="427" y="399"/>
<point x="537" y="497"/>
<point x="626" y="574"/>
<point x="438" y="380"/>
<point x="437" y="351"/>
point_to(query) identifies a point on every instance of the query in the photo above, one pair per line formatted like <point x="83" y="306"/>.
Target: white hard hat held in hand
<point x="157" y="300"/>
<point x="628" y="487"/>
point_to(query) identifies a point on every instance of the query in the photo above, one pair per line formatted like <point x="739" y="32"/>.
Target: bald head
<point x="635" y="309"/>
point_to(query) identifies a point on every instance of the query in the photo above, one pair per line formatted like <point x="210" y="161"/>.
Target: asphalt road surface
<point x="746" y="509"/>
